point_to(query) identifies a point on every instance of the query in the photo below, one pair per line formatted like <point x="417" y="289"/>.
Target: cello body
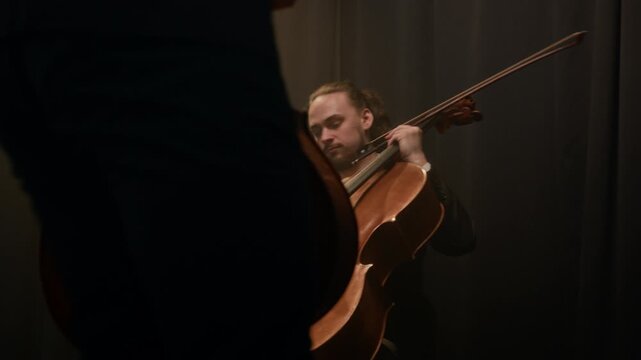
<point x="397" y="213"/>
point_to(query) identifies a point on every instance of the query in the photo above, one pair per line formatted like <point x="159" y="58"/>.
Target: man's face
<point x="338" y="127"/>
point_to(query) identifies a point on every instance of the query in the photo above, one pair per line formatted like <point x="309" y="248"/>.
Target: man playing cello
<point x="343" y="119"/>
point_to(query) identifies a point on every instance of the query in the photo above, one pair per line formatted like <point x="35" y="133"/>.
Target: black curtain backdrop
<point x="550" y="176"/>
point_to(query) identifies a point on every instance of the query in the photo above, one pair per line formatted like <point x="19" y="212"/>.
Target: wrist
<point x="418" y="159"/>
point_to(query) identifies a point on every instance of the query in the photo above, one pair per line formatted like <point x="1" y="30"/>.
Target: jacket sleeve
<point x="456" y="234"/>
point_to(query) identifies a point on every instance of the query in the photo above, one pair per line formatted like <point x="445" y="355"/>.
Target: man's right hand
<point x="410" y="143"/>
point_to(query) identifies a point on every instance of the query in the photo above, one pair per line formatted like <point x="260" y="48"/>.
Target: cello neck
<point x="386" y="157"/>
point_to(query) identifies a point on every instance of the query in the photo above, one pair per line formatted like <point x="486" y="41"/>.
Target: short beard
<point x="342" y="164"/>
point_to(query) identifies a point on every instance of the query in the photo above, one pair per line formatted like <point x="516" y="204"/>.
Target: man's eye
<point x="316" y="131"/>
<point x="334" y="124"/>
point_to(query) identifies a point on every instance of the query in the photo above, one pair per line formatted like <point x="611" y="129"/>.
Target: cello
<point x="397" y="213"/>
